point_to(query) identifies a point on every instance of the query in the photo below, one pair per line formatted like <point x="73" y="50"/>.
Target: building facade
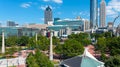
<point x="11" y="23"/>
<point x="87" y="25"/>
<point x="63" y="28"/>
<point x="47" y="15"/>
<point x="18" y="31"/>
<point x="93" y="14"/>
<point x="102" y="13"/>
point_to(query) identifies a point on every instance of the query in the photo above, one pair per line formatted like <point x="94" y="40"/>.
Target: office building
<point x="11" y="23"/>
<point x="102" y="13"/>
<point x="63" y="28"/>
<point x="93" y="14"/>
<point x="47" y="15"/>
<point x="18" y="31"/>
<point x="87" y="24"/>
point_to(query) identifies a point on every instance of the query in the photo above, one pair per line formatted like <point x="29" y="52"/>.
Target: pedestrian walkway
<point x="19" y="61"/>
<point x="12" y="62"/>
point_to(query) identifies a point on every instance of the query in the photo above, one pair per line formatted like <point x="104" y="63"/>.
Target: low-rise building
<point x="18" y="31"/>
<point x="63" y="28"/>
<point x="85" y="60"/>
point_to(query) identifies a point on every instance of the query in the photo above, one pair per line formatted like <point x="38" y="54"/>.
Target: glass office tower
<point x="93" y="14"/>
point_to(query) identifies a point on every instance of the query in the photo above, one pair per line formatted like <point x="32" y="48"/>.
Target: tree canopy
<point x="70" y="48"/>
<point x="83" y="38"/>
<point x="39" y="59"/>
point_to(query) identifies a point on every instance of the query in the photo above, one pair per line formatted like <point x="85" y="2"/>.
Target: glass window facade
<point x="93" y="13"/>
<point x="75" y="25"/>
<point x="18" y="31"/>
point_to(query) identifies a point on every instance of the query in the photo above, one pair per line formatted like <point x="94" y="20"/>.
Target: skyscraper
<point x="11" y="23"/>
<point x="93" y="13"/>
<point x="47" y="15"/>
<point x="102" y="13"/>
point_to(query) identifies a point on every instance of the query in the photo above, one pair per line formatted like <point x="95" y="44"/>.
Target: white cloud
<point x="58" y="1"/>
<point x="43" y="7"/>
<point x="46" y="0"/>
<point x="26" y="5"/>
<point x="55" y="1"/>
<point x="113" y="8"/>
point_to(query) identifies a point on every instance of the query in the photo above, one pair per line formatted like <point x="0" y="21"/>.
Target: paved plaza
<point x="13" y="62"/>
<point x="19" y="61"/>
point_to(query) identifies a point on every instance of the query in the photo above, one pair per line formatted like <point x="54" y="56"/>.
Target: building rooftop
<point x="85" y="60"/>
<point x="48" y="8"/>
<point x="38" y="26"/>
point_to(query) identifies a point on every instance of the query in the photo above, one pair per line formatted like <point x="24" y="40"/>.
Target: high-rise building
<point x="47" y="15"/>
<point x="11" y="23"/>
<point x="102" y="13"/>
<point x="87" y="24"/>
<point x="93" y="13"/>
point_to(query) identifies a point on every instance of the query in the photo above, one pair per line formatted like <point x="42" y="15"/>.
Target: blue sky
<point x="32" y="11"/>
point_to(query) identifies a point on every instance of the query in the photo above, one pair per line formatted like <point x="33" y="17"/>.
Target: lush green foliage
<point x="107" y="44"/>
<point x="38" y="60"/>
<point x="23" y="40"/>
<point x="101" y="44"/>
<point x="0" y="42"/>
<point x="113" y="61"/>
<point x="56" y="40"/>
<point x="70" y="48"/>
<point x="11" y="41"/>
<point x="83" y="38"/>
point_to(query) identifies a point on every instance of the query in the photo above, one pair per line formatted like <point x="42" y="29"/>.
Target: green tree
<point x="10" y="41"/>
<point x="0" y="42"/>
<point x="43" y="43"/>
<point x="32" y="43"/>
<point x="114" y="46"/>
<point x="113" y="62"/>
<point x="107" y="34"/>
<point x="39" y="59"/>
<point x="56" y="40"/>
<point x="101" y="44"/>
<point x="30" y="59"/>
<point x="103" y="57"/>
<point x="81" y="37"/>
<point x="71" y="48"/>
<point x="23" y="40"/>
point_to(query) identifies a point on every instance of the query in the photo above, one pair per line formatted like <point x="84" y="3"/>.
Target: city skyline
<point x="32" y="11"/>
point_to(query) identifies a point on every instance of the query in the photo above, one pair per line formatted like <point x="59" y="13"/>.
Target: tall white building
<point x="87" y="24"/>
<point x="103" y="13"/>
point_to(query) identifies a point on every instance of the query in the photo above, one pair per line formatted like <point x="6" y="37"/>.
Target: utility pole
<point x="51" y="47"/>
